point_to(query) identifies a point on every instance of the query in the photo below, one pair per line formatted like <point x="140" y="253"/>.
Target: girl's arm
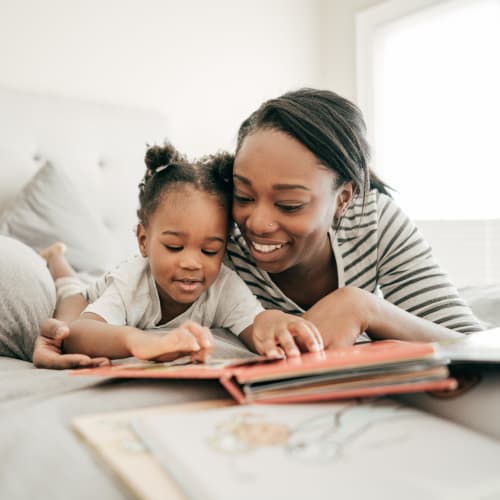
<point x="93" y="336"/>
<point x="347" y="312"/>
<point x="48" y="353"/>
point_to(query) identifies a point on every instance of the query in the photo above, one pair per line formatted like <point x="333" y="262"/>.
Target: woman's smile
<point x="284" y="201"/>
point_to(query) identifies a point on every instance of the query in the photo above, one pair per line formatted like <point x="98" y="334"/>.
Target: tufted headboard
<point x="101" y="146"/>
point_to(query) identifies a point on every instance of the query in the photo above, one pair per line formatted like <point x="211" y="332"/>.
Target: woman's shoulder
<point x="367" y="213"/>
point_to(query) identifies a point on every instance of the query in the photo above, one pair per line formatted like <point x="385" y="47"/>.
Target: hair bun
<point x="158" y="156"/>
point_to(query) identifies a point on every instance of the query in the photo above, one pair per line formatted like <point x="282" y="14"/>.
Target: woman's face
<point x="284" y="201"/>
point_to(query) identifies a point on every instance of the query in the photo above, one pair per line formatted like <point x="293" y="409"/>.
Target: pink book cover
<point x="235" y="375"/>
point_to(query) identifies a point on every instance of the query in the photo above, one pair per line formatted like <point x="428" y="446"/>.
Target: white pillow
<point x="51" y="207"/>
<point x="27" y="296"/>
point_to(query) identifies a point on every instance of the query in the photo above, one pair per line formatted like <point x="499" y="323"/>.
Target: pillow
<point x="52" y="208"/>
<point x="27" y="298"/>
<point x="484" y="302"/>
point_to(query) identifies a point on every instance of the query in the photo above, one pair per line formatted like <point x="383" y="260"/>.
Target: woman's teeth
<point x="266" y="248"/>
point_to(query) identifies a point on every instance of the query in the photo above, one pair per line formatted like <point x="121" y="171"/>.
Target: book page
<point x="349" y="450"/>
<point x="112" y="438"/>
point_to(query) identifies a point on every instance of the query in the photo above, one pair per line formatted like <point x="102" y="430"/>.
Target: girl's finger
<point x="202" y="334"/>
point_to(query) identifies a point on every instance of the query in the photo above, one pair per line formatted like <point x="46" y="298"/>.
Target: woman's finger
<point x="287" y="342"/>
<point x="306" y="335"/>
<point x="267" y="347"/>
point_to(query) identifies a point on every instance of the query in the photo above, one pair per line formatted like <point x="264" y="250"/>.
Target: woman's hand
<point x="189" y="339"/>
<point x="347" y="312"/>
<point x="48" y="349"/>
<point x="275" y="333"/>
<point x="342" y="316"/>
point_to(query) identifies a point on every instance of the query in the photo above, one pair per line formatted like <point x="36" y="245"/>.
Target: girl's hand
<point x="276" y="333"/>
<point x="48" y="349"/>
<point x="190" y="338"/>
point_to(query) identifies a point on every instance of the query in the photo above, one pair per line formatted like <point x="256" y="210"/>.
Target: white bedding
<point x="101" y="147"/>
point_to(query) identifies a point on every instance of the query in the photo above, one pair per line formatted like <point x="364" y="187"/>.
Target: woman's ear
<point x="344" y="197"/>
<point x="142" y="239"/>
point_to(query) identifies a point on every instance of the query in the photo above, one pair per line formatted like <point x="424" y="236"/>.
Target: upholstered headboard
<point x="100" y="146"/>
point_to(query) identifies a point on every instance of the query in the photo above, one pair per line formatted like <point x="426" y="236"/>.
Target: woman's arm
<point x="347" y="312"/>
<point x="410" y="278"/>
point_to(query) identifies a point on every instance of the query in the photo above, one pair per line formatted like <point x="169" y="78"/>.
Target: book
<point x="374" y="448"/>
<point x="112" y="438"/>
<point x="369" y="369"/>
<point x="476" y="348"/>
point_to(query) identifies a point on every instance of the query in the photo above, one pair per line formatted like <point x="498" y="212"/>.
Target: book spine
<point x="233" y="388"/>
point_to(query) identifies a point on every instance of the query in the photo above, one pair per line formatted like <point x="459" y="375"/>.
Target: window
<point x="428" y="81"/>
<point x="429" y="84"/>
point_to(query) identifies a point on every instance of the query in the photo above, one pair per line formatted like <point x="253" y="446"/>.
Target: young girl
<point x="178" y="282"/>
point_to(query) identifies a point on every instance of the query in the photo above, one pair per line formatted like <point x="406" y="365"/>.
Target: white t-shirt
<point x="128" y="296"/>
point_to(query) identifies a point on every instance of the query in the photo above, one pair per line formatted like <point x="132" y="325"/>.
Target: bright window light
<point x="436" y="113"/>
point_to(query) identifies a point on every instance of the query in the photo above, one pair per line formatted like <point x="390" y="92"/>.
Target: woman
<point x="317" y="233"/>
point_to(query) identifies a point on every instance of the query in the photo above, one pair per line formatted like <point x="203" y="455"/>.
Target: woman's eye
<point x="242" y="199"/>
<point x="291" y="208"/>
<point x="173" y="248"/>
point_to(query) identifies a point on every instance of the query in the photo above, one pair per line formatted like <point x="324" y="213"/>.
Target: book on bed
<point x="215" y="449"/>
<point x="373" y="448"/>
<point x="370" y="369"/>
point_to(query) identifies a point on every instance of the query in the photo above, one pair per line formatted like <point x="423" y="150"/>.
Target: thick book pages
<point x="476" y="348"/>
<point x="347" y="450"/>
<point x="371" y="369"/>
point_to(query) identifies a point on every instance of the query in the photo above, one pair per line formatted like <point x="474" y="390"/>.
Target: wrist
<point x="130" y="337"/>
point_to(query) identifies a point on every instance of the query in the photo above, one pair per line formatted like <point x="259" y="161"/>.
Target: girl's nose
<point x="190" y="260"/>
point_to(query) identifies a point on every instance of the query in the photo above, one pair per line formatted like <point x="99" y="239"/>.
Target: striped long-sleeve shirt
<point x="378" y="249"/>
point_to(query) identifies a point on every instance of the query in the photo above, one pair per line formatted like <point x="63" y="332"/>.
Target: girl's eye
<point x="291" y="208"/>
<point x="210" y="252"/>
<point x="173" y="248"/>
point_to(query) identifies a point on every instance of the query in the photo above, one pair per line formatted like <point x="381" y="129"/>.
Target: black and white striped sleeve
<point x="410" y="278"/>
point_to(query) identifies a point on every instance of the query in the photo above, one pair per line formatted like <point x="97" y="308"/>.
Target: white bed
<point x="100" y="148"/>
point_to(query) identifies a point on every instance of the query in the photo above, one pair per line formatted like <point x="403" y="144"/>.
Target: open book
<point x="374" y="449"/>
<point x="370" y="369"/>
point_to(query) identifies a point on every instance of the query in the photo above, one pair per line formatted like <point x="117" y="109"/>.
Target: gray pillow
<point x="52" y="208"/>
<point x="27" y="297"/>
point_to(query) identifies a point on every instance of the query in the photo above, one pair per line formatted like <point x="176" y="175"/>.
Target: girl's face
<point x="185" y="241"/>
<point x="284" y="201"/>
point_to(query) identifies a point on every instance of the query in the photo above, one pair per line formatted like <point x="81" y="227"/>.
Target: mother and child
<point x="327" y="254"/>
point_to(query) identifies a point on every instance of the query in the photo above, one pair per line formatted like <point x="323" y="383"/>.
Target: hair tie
<point x="161" y="167"/>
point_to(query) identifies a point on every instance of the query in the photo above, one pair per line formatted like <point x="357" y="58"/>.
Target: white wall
<point x="206" y="64"/>
<point x="339" y="42"/>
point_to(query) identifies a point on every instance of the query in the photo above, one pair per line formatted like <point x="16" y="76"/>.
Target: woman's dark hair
<point x="330" y="126"/>
<point x="167" y="169"/>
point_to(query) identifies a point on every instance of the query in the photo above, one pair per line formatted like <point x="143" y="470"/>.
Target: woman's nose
<point x="260" y="221"/>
